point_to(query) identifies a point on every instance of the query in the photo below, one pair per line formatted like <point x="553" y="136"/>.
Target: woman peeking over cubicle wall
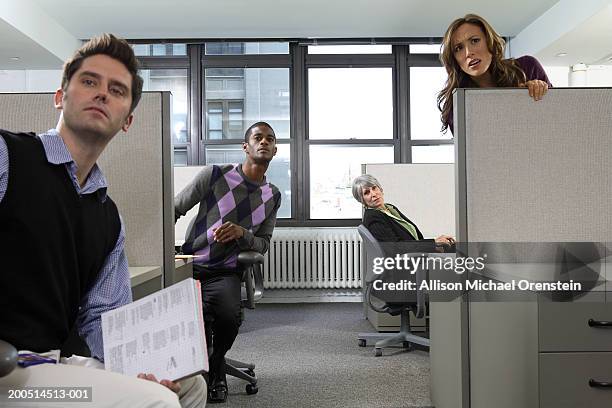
<point x="387" y="223"/>
<point x="473" y="56"/>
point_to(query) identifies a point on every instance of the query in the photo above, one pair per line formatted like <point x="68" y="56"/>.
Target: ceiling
<point x="42" y="33"/>
<point x="18" y="51"/>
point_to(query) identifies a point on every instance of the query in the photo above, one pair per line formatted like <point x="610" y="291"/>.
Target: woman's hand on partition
<point x="537" y="89"/>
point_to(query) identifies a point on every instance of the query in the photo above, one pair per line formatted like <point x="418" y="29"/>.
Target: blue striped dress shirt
<point x="112" y="286"/>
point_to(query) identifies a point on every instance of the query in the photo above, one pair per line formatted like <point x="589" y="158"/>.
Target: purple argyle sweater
<point x="226" y="194"/>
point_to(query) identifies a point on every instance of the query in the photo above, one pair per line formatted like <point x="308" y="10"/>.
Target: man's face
<point x="261" y="147"/>
<point x="96" y="101"/>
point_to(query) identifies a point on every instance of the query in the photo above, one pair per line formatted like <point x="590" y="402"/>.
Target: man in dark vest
<point x="61" y="240"/>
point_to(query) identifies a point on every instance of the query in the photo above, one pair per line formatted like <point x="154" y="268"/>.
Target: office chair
<point x="393" y="304"/>
<point x="8" y="358"/>
<point x="251" y="293"/>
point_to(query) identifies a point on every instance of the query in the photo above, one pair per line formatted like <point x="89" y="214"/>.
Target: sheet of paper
<point x="162" y="334"/>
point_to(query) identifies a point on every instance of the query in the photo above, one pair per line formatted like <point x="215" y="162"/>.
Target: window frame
<point x="298" y="62"/>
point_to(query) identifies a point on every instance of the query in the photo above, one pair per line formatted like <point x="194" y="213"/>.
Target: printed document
<point x="161" y="334"/>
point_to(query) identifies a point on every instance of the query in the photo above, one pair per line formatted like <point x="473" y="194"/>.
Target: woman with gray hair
<point x="385" y="221"/>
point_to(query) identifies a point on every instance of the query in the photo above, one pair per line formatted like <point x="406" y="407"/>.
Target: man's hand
<point x="171" y="385"/>
<point x="228" y="232"/>
<point x="537" y="89"/>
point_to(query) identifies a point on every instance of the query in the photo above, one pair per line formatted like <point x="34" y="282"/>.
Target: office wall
<point x="137" y="165"/>
<point x="425" y="193"/>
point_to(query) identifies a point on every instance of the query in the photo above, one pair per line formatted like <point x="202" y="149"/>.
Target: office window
<point x="347" y="111"/>
<point x="433" y="154"/>
<point x="332" y="171"/>
<point x="350" y="49"/>
<point x="238" y="97"/>
<point x="158" y="50"/>
<point x="350" y="103"/>
<point x="279" y="171"/>
<point x="425" y="48"/>
<point x="175" y="81"/>
<point x="425" y="83"/>
<point x="246" y="48"/>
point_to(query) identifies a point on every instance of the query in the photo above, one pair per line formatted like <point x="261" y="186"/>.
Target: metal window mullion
<point x="423" y="60"/>
<point x="363" y="142"/>
<point x="402" y="88"/>
<point x="299" y="156"/>
<point x="195" y="93"/>
<point x="304" y="42"/>
<point x="246" y="61"/>
<point x="431" y="142"/>
<point x="323" y="222"/>
<point x="350" y="60"/>
<point x="164" y="62"/>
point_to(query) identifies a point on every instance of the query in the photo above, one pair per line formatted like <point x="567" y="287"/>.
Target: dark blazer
<point x="386" y="229"/>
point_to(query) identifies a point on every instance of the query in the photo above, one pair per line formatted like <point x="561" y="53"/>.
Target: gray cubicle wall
<point x="537" y="165"/>
<point x="137" y="165"/>
<point x="526" y="172"/>
<point x="425" y="193"/>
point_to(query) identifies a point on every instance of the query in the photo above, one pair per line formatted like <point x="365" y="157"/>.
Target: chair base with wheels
<point x="245" y="372"/>
<point x="415" y="302"/>
<point x="404" y="337"/>
<point x="252" y="292"/>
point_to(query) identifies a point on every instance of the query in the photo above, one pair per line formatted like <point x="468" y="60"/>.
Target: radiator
<point x="313" y="258"/>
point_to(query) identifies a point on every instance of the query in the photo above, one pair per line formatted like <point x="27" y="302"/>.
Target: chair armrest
<point x="250" y="257"/>
<point x="8" y="358"/>
<point x="252" y="277"/>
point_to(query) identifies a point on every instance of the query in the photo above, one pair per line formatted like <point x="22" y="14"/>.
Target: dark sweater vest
<point x="53" y="243"/>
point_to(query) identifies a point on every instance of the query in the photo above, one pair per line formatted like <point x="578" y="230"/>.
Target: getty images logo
<point x="412" y="263"/>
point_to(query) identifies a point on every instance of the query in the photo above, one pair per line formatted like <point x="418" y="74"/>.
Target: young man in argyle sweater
<point x="237" y="212"/>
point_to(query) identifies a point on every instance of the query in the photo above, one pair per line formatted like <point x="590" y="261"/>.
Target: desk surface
<point x="141" y="274"/>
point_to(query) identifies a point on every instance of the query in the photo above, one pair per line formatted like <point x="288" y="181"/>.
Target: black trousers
<point x="222" y="315"/>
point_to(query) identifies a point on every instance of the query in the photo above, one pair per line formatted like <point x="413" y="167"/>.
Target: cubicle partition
<point x="539" y="174"/>
<point x="425" y="193"/>
<point x="138" y="167"/>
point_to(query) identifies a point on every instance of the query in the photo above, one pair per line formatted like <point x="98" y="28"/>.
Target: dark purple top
<point x="533" y="70"/>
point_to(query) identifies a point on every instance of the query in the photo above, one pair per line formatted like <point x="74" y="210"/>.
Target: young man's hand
<point x="171" y="385"/>
<point x="228" y="232"/>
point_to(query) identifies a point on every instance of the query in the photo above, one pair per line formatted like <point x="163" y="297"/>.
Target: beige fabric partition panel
<point x="538" y="171"/>
<point x="425" y="193"/>
<point x="137" y="165"/>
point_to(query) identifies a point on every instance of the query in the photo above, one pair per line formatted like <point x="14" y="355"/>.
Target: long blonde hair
<point x="505" y="72"/>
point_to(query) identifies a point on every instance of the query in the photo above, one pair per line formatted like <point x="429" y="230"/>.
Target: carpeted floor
<point x="306" y="355"/>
